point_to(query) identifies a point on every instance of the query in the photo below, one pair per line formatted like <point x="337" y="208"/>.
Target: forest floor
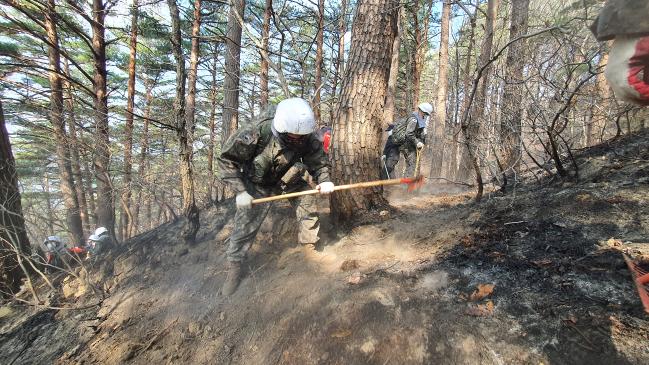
<point x="534" y="276"/>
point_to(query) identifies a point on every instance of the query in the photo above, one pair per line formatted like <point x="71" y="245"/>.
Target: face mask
<point x="292" y="141"/>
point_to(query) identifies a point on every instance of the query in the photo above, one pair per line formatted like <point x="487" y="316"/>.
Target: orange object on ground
<point x="641" y="280"/>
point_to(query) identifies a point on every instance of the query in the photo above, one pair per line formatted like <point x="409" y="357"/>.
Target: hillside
<point x="533" y="276"/>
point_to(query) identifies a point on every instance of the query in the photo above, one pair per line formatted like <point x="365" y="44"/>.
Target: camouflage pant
<point x="392" y="158"/>
<point x="248" y="221"/>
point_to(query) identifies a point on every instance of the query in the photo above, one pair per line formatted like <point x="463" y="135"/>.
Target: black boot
<point x="232" y="280"/>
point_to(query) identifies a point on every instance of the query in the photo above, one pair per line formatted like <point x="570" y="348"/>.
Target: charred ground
<point x="533" y="276"/>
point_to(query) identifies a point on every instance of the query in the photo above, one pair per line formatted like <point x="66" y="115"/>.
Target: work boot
<point x="232" y="280"/>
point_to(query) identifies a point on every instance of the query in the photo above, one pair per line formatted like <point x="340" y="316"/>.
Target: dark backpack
<point x="399" y="131"/>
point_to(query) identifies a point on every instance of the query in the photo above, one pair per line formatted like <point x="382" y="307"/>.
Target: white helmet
<point x="98" y="233"/>
<point x="425" y="107"/>
<point x="53" y="239"/>
<point x="294" y="116"/>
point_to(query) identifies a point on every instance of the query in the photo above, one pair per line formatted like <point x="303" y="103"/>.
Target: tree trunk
<point x="88" y="188"/>
<point x="265" y="35"/>
<point x="339" y="64"/>
<point x="125" y="216"/>
<point x="601" y="109"/>
<point x="75" y="154"/>
<point x="232" y="66"/>
<point x="421" y="46"/>
<point x="13" y="236"/>
<point x="442" y="87"/>
<point x="184" y="123"/>
<point x="359" y="117"/>
<point x="464" y="170"/>
<point x="144" y="149"/>
<point x="390" y="93"/>
<point x="67" y="185"/>
<point x="48" y="201"/>
<point x="510" y="127"/>
<point x="485" y="55"/>
<point x="319" y="62"/>
<point x="105" y="201"/>
<point x="212" y="125"/>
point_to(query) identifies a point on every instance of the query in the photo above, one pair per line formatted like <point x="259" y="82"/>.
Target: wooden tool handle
<point x="367" y="184"/>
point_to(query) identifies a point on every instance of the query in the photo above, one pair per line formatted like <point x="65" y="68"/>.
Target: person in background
<point x="408" y="137"/>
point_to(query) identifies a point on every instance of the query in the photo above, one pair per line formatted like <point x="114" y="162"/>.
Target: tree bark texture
<point x="319" y="61"/>
<point x="510" y="127"/>
<point x="265" y="35"/>
<point x="144" y="150"/>
<point x="439" y="118"/>
<point x="232" y="68"/>
<point x="339" y="62"/>
<point x="57" y="120"/>
<point x="75" y="154"/>
<point x="105" y="200"/>
<point x="359" y="117"/>
<point x="184" y="121"/>
<point x="13" y="236"/>
<point x="125" y="216"/>
<point x="421" y="46"/>
<point x="390" y="93"/>
<point x="464" y="170"/>
<point x="601" y="109"/>
<point x="212" y="123"/>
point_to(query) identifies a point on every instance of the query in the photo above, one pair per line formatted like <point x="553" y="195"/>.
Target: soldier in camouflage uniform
<point x="264" y="159"/>
<point x="408" y="136"/>
<point x="627" y="70"/>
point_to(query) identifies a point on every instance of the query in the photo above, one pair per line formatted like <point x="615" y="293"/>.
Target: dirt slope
<point x="553" y="286"/>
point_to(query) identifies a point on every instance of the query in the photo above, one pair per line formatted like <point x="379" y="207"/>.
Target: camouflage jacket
<point x="408" y="132"/>
<point x="622" y="17"/>
<point x="254" y="155"/>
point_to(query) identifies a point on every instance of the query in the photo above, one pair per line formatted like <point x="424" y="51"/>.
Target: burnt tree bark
<point x="359" y="116"/>
<point x="184" y="114"/>
<point x="13" y="236"/>
<point x="510" y="125"/>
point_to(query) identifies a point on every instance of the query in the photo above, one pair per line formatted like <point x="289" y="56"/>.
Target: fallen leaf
<point x="342" y="333"/>
<point x="612" y="242"/>
<point x="349" y="265"/>
<point x="484" y="290"/>
<point x="355" y="278"/>
<point x="481" y="310"/>
<point x="571" y="319"/>
<point x="545" y="262"/>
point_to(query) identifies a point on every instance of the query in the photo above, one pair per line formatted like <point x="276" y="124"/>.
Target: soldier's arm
<point x="317" y="162"/>
<point x="237" y="150"/>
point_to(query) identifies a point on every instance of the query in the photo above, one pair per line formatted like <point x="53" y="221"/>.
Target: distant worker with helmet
<point x="98" y="242"/>
<point x="407" y="137"/>
<point x="253" y="163"/>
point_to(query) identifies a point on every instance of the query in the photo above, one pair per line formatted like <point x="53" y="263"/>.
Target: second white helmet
<point x="294" y="116"/>
<point x="426" y="108"/>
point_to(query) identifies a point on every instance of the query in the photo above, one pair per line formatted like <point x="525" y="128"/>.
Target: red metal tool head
<point x="413" y="182"/>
